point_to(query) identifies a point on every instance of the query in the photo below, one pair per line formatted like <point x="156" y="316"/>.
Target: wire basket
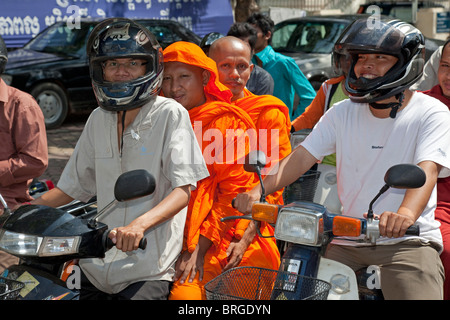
<point x="252" y="283"/>
<point x="303" y="189"/>
<point x="10" y="289"/>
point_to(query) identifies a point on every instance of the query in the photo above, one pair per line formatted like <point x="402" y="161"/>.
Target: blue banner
<point x="20" y="20"/>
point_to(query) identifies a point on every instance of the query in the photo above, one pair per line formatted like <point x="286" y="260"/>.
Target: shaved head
<point x="233" y="58"/>
<point x="232" y="44"/>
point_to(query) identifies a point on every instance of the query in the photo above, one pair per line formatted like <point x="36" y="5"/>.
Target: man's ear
<point x="268" y="35"/>
<point x="206" y="75"/>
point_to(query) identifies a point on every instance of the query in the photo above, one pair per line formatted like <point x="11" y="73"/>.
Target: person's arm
<point x="31" y="157"/>
<point x="53" y="198"/>
<point x="236" y="249"/>
<point x="394" y="224"/>
<point x="302" y="87"/>
<point x="127" y="238"/>
<point x="289" y="170"/>
<point x="312" y="113"/>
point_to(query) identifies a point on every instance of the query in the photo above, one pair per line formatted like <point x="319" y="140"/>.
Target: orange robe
<point x="267" y="112"/>
<point x="270" y="115"/>
<point x="221" y="130"/>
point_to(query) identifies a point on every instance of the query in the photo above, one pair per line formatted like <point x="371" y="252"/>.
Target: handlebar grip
<point x="109" y="243"/>
<point x="413" y="230"/>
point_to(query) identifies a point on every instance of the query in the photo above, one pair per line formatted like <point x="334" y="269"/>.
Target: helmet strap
<point x="123" y="129"/>
<point x="393" y="105"/>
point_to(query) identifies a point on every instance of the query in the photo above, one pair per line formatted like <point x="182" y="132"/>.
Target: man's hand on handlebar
<point x="244" y="201"/>
<point x="126" y="238"/>
<point x="393" y="224"/>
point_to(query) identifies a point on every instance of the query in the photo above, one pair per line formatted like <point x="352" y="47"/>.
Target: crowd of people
<point x="216" y="102"/>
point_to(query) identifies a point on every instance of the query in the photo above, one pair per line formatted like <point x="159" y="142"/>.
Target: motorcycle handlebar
<point x="109" y="243"/>
<point x="414" y="230"/>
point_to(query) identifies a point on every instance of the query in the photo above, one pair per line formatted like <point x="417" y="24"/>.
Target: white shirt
<point x="366" y="147"/>
<point x="150" y="143"/>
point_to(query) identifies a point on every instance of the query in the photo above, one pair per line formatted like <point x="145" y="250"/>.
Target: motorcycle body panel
<point x="40" y="285"/>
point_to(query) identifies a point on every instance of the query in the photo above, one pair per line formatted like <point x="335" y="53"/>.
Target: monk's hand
<point x="188" y="265"/>
<point x="235" y="252"/>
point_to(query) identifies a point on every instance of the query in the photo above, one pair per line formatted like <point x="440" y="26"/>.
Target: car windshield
<point x="60" y="39"/>
<point x="307" y="36"/>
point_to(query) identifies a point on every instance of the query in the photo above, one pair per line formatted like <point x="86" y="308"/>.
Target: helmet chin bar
<point x="393" y="105"/>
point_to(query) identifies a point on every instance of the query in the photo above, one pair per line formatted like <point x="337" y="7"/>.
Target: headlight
<point x="19" y="243"/>
<point x="28" y="245"/>
<point x="55" y="246"/>
<point x="300" y="225"/>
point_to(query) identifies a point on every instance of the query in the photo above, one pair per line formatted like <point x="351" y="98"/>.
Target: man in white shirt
<point x="134" y="128"/>
<point x="383" y="124"/>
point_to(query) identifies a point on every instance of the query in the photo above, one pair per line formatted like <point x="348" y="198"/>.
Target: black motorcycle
<point x="48" y="239"/>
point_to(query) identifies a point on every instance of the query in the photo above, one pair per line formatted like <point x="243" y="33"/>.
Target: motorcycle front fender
<point x="342" y="278"/>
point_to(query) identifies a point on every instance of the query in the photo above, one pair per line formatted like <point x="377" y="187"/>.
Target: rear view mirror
<point x="400" y="176"/>
<point x="255" y="161"/>
<point x="405" y="176"/>
<point x="134" y="184"/>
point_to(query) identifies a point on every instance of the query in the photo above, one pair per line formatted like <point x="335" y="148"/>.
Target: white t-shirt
<point x="366" y="147"/>
<point x="160" y="140"/>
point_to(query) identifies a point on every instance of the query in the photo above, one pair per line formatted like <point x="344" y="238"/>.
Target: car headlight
<point x="300" y="225"/>
<point x="30" y="245"/>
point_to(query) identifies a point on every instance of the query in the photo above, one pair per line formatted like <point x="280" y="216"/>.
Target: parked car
<point x="310" y="40"/>
<point x="398" y="9"/>
<point x="53" y="67"/>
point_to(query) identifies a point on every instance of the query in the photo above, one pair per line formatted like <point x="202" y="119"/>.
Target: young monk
<point x="190" y="77"/>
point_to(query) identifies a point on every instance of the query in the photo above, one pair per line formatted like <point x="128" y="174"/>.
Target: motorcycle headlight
<point x="55" y="246"/>
<point x="19" y="243"/>
<point x="300" y="225"/>
<point x="29" y="245"/>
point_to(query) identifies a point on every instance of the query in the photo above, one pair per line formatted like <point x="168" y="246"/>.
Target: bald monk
<point x="190" y="77"/>
<point x="270" y="116"/>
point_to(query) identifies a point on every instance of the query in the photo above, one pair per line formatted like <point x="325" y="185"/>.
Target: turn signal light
<point x="265" y="212"/>
<point x="346" y="226"/>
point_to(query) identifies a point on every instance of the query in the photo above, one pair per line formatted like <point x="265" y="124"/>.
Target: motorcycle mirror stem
<point x="401" y="176"/>
<point x="130" y="185"/>
<point x="6" y="209"/>
<point x="254" y="162"/>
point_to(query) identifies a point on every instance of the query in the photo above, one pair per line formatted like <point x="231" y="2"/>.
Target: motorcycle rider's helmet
<point x="208" y="40"/>
<point x="340" y="62"/>
<point x="385" y="36"/>
<point x="117" y="38"/>
<point x="3" y="55"/>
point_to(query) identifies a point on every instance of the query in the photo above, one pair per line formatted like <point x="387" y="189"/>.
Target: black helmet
<point x="3" y="55"/>
<point x="123" y="38"/>
<point x="208" y="40"/>
<point x="385" y="36"/>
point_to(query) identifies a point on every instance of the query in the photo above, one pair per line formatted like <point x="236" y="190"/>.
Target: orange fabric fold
<point x="211" y="201"/>
<point x="269" y="113"/>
